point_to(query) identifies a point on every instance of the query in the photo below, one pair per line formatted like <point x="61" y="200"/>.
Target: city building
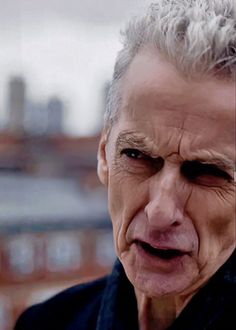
<point x="55" y="109"/>
<point x="54" y="225"/>
<point x="55" y="230"/>
<point x="16" y="105"/>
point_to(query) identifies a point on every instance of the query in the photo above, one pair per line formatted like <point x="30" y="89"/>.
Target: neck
<point x="159" y="313"/>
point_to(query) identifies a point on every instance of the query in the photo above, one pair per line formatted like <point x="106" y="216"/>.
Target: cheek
<point x="125" y="198"/>
<point x="213" y="214"/>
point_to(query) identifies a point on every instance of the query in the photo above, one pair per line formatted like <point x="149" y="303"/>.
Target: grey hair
<point x="197" y="36"/>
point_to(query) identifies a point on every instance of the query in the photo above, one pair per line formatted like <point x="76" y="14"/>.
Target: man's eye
<point x="208" y="174"/>
<point x="143" y="160"/>
<point x="134" y="153"/>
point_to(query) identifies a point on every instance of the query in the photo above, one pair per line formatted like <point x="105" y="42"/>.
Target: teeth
<point x="164" y="254"/>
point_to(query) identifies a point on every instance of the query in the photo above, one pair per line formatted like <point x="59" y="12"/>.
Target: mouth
<point x="165" y="254"/>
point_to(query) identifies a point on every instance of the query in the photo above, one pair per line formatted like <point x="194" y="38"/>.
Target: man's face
<point x="169" y="167"/>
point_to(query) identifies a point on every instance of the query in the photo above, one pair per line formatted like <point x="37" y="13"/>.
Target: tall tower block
<point x="16" y="105"/>
<point x="55" y="110"/>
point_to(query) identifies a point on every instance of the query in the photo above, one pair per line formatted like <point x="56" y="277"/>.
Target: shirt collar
<point x="119" y="307"/>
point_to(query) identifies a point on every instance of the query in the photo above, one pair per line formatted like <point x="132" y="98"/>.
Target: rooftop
<point x="29" y="203"/>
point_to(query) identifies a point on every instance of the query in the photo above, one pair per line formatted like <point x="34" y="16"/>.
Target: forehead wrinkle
<point x="146" y="144"/>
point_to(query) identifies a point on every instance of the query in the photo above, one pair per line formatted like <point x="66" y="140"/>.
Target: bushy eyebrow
<point x="135" y="140"/>
<point x="146" y="145"/>
<point x="220" y="162"/>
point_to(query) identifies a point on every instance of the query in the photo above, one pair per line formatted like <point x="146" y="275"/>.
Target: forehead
<point x="154" y="82"/>
<point x="160" y="104"/>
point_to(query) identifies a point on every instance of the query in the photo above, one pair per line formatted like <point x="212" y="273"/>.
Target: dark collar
<point x="212" y="307"/>
<point x="119" y="307"/>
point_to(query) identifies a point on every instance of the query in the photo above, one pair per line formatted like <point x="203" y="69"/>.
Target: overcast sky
<point x="65" y="48"/>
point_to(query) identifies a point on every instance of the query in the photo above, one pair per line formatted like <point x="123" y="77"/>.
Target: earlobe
<point x="102" y="167"/>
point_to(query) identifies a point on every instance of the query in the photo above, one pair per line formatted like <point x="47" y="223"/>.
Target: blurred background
<point x="56" y="60"/>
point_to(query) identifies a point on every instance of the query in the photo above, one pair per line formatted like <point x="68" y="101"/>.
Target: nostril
<point x="176" y="224"/>
<point x="163" y="216"/>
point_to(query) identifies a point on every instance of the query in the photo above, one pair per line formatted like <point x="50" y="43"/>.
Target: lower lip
<point x="149" y="260"/>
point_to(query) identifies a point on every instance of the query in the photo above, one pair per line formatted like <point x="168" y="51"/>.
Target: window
<point x="63" y="252"/>
<point x="105" y="253"/>
<point x="20" y="253"/>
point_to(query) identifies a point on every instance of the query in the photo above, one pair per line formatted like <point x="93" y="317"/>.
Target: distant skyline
<point x="63" y="48"/>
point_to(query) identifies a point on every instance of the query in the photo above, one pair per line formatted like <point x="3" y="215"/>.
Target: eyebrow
<point x="135" y="140"/>
<point x="222" y="163"/>
<point x="138" y="140"/>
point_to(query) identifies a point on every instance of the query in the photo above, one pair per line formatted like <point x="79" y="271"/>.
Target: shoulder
<point x="78" y="304"/>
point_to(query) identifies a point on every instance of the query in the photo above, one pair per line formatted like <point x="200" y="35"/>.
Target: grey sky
<point x="65" y="48"/>
<point x="101" y="11"/>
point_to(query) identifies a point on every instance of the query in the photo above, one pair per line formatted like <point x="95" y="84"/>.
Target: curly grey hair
<point x="197" y="36"/>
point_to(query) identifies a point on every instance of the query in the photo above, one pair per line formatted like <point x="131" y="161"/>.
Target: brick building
<point x="54" y="226"/>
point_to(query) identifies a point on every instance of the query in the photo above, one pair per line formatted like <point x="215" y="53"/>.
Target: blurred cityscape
<point x="54" y="226"/>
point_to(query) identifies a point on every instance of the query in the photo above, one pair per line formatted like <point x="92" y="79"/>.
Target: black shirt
<point x="110" y="304"/>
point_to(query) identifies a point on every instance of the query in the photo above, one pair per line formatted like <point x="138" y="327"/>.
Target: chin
<point x="167" y="279"/>
<point x="155" y="286"/>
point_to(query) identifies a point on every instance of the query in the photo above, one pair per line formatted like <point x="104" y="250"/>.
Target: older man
<point x="167" y="157"/>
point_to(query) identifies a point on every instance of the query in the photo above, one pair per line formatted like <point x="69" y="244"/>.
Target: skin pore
<point x="169" y="164"/>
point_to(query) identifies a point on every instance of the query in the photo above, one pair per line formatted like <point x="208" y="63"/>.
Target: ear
<point x="102" y="167"/>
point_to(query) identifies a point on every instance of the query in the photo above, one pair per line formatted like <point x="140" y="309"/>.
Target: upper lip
<point x="158" y="246"/>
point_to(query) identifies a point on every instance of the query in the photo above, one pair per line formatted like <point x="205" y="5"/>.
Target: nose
<point x="167" y="197"/>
